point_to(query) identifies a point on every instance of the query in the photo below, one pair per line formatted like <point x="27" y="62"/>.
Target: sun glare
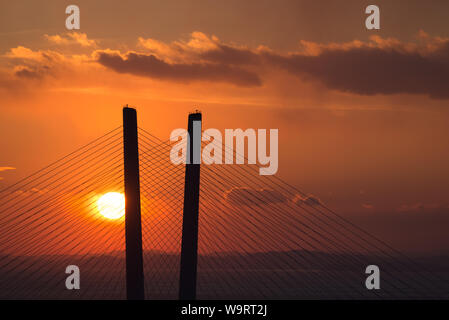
<point x="111" y="205"/>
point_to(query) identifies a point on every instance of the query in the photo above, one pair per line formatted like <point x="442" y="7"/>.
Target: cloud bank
<point x="308" y="200"/>
<point x="383" y="66"/>
<point x="242" y="196"/>
<point x="148" y="65"/>
<point x="380" y="66"/>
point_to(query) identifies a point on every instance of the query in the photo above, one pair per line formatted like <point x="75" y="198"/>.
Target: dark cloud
<point x="378" y="66"/>
<point x="229" y="55"/>
<point x="153" y="67"/>
<point x="423" y="208"/>
<point x="29" y="74"/>
<point x="369" y="70"/>
<point x="250" y="197"/>
<point x="306" y="200"/>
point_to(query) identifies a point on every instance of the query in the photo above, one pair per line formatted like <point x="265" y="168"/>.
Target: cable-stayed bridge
<point x="256" y="237"/>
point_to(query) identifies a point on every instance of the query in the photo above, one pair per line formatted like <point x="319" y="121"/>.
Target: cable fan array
<point x="259" y="237"/>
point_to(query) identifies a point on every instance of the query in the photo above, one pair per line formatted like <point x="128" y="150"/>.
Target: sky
<point x="362" y="114"/>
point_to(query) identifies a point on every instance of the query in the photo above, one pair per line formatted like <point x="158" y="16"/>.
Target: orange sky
<point x="362" y="115"/>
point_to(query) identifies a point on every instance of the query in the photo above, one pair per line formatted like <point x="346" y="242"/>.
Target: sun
<point x="111" y="205"/>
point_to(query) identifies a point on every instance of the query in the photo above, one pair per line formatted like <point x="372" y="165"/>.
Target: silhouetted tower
<point x="133" y="229"/>
<point x="189" y="244"/>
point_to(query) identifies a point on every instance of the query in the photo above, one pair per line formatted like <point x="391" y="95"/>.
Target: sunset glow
<point x="112" y="205"/>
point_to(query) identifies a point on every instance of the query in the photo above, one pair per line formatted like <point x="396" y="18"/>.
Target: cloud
<point x="24" y="54"/>
<point x="148" y="65"/>
<point x="250" y="197"/>
<point x="230" y="55"/>
<point x="381" y="66"/>
<point x="5" y="169"/>
<point x="29" y="64"/>
<point x="70" y="38"/>
<point x="422" y="207"/>
<point x="308" y="200"/>
<point x="181" y="50"/>
<point x="31" y="73"/>
<point x="200" y="58"/>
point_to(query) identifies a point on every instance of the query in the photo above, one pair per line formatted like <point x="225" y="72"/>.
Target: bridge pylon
<point x="133" y="227"/>
<point x="189" y="242"/>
